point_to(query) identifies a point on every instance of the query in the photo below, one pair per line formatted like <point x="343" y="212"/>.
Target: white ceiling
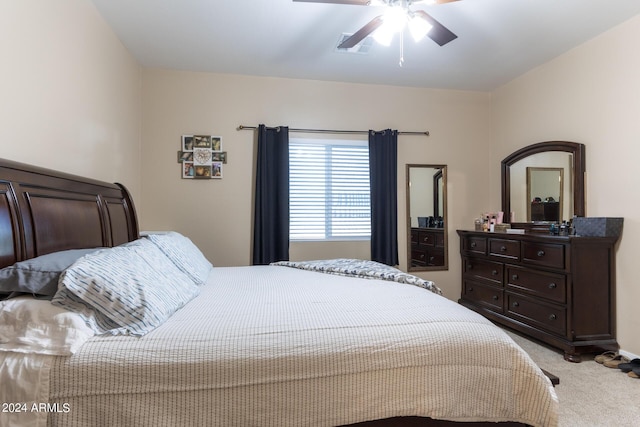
<point x="498" y="40"/>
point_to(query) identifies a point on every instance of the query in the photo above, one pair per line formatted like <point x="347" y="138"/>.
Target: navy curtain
<point x="271" y="214"/>
<point x="383" y="166"/>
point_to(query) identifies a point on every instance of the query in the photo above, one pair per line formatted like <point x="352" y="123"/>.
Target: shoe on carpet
<point x="628" y="367"/>
<point x="614" y="362"/>
<point x="607" y="355"/>
<point x="634" y="373"/>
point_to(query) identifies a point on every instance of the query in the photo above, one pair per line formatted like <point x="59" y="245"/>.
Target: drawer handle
<point x="514" y="277"/>
<point x="469" y="266"/>
<point x="495" y="297"/>
<point x="553" y="317"/>
<point x="431" y="259"/>
<point x="494" y="272"/>
<point x="552" y="285"/>
<point x="503" y="248"/>
<point x="474" y="244"/>
<point x="516" y="304"/>
<point x="421" y="256"/>
<point x="426" y="239"/>
<point x="540" y="253"/>
<point x="470" y="289"/>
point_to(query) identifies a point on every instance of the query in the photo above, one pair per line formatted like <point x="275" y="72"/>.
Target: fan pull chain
<point x="401" y="49"/>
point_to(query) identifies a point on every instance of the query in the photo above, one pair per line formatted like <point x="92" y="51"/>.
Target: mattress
<point x="278" y="346"/>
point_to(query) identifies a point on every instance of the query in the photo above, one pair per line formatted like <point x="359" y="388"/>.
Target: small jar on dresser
<point x="557" y="289"/>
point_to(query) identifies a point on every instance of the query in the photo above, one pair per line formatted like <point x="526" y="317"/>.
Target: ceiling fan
<point x="398" y="14"/>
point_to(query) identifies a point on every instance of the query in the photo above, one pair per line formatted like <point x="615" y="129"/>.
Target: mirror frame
<point x="579" y="160"/>
<point x="438" y="178"/>
<point x="440" y="175"/>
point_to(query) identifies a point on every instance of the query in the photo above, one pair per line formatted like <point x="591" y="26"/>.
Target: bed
<point x="324" y="343"/>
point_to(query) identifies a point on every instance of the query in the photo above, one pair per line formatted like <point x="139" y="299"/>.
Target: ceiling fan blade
<point x="355" y="2"/>
<point x="439" y="33"/>
<point x="363" y="32"/>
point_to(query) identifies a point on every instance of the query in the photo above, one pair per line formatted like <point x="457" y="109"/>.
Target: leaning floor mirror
<point x="427" y="217"/>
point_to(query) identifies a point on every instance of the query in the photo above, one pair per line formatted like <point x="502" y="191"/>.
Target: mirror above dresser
<point x="529" y="198"/>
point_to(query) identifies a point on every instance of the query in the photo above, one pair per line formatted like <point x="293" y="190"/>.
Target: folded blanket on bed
<point x="363" y="269"/>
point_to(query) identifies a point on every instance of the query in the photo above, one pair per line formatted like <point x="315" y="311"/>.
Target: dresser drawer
<point x="474" y="245"/>
<point x="537" y="283"/>
<point x="505" y="248"/>
<point x="484" y="270"/>
<point x="550" y="317"/>
<point x="440" y="240"/>
<point x="424" y="257"/>
<point x="426" y="238"/>
<point x="543" y="254"/>
<point x="419" y="257"/>
<point x="435" y="256"/>
<point x="488" y="296"/>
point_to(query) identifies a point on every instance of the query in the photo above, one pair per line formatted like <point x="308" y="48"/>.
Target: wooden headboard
<point x="44" y="211"/>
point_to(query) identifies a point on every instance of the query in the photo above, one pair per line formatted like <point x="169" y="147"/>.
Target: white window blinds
<point x="329" y="189"/>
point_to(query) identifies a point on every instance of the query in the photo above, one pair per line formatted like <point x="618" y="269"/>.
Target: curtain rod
<point x="351" y="132"/>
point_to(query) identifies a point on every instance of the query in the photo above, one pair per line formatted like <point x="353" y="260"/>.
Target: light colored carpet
<point x="590" y="394"/>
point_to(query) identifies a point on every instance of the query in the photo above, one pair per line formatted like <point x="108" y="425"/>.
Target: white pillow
<point x="132" y="288"/>
<point x="184" y="254"/>
<point x="28" y="325"/>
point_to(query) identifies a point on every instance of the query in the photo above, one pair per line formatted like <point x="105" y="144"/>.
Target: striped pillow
<point x="131" y="288"/>
<point x="184" y="254"/>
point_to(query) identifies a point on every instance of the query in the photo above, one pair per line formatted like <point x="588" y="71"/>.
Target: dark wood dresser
<point x="547" y="211"/>
<point x="427" y="247"/>
<point x="557" y="289"/>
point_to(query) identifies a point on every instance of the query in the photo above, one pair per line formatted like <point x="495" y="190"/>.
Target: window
<point x="329" y="189"/>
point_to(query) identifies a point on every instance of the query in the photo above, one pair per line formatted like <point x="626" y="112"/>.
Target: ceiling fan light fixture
<point x="383" y="35"/>
<point x="394" y="21"/>
<point x="419" y="28"/>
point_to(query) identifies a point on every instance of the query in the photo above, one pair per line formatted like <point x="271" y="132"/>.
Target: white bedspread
<point x="24" y="386"/>
<point x="277" y="346"/>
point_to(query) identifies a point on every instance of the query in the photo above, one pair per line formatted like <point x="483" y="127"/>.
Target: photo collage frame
<point x="201" y="157"/>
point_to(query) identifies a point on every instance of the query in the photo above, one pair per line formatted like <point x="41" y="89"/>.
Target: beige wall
<point x="217" y="214"/>
<point x="69" y="92"/>
<point x="589" y="95"/>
